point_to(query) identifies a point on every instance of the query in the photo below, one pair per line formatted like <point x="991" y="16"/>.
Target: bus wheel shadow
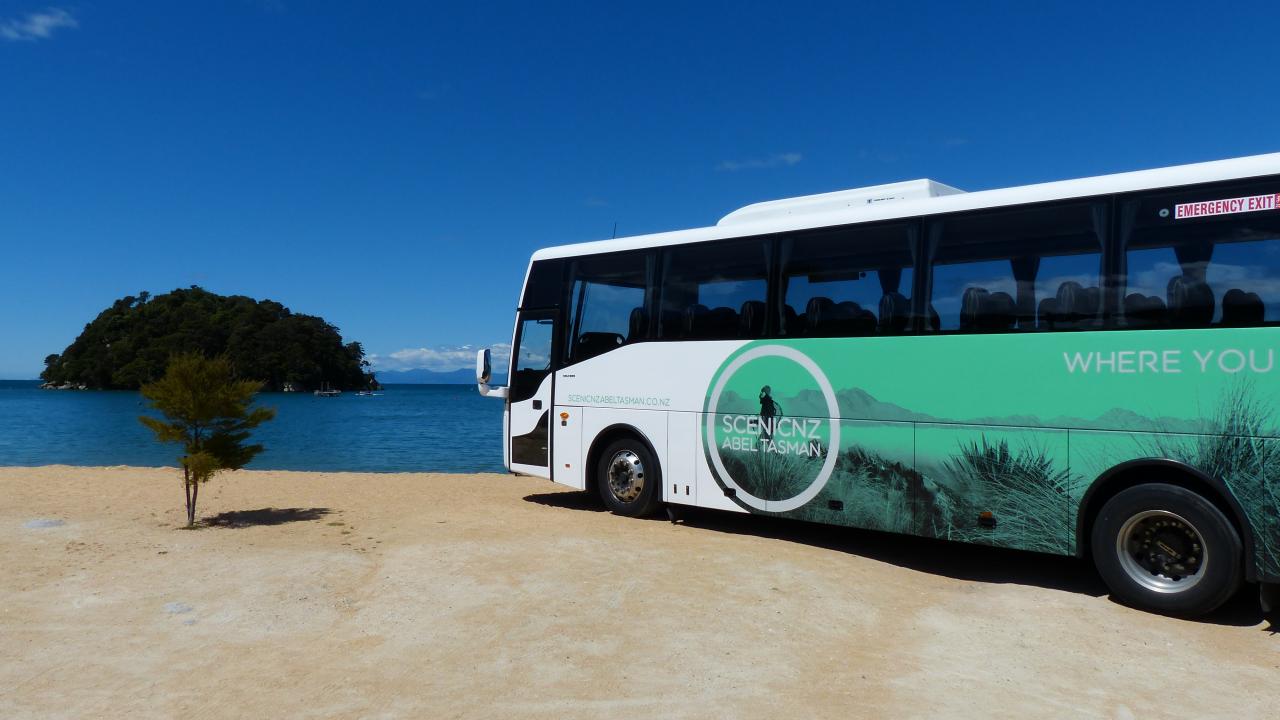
<point x="976" y="563"/>
<point x="586" y="501"/>
<point x="568" y="500"/>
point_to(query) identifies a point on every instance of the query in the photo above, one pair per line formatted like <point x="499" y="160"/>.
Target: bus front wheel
<point x="629" y="478"/>
<point x="1166" y="548"/>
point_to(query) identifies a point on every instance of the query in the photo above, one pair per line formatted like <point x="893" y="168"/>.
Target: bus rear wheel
<point x="1165" y="548"/>
<point x="629" y="479"/>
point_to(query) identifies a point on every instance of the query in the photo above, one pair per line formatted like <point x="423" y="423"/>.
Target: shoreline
<point x="493" y="595"/>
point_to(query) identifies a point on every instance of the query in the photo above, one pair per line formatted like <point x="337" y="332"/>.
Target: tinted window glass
<point x="546" y="282"/>
<point x="533" y="358"/>
<point x="847" y="282"/>
<point x="1202" y="257"/>
<point x="715" y="290"/>
<point x="607" y="303"/>
<point x="1017" y="270"/>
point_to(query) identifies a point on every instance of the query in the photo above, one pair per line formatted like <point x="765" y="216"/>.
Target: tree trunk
<point x="191" y="513"/>
<point x="186" y="488"/>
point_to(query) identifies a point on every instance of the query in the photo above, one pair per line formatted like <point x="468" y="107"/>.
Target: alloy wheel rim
<point x="626" y="476"/>
<point x="1162" y="551"/>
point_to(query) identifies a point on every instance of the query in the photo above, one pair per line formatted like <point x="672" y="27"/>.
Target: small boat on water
<point x="327" y="391"/>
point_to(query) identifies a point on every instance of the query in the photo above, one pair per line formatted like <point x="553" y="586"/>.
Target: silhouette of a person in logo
<point x="768" y="411"/>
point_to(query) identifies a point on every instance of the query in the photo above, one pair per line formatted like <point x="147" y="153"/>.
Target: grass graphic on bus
<point x="1018" y="483"/>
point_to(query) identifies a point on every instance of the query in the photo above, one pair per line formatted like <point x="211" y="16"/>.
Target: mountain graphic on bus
<point x="858" y="403"/>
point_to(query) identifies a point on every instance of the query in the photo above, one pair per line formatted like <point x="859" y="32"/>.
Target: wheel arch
<point x="1172" y="472"/>
<point x="602" y="440"/>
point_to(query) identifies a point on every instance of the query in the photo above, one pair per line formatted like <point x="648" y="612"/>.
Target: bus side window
<point x="847" y="282"/>
<point x="607" y="303"/>
<point x="715" y="291"/>
<point x="1188" y="264"/>
<point x="1021" y="270"/>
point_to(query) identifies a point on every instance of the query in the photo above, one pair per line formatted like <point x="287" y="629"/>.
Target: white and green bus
<point x="1084" y="367"/>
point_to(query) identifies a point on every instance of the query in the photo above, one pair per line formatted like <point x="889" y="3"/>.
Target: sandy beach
<point x="460" y="596"/>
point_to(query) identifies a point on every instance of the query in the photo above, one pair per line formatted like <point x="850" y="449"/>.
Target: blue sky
<point x="392" y="166"/>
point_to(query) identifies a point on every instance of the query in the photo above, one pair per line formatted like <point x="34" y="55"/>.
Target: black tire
<point x="1165" y="548"/>
<point x="621" y="494"/>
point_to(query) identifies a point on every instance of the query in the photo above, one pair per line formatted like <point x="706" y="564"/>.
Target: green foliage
<point x="877" y="492"/>
<point x="770" y="475"/>
<point x="129" y="343"/>
<point x="207" y="410"/>
<point x="1021" y="487"/>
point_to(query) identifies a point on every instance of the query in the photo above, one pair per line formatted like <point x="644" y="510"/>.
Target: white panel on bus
<point x="710" y="494"/>
<point x="645" y="376"/>
<point x="652" y="425"/>
<point x="680" y="476"/>
<point x="506" y="435"/>
<point x="566" y="447"/>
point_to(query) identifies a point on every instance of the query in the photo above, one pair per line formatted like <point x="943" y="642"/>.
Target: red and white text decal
<point x="1226" y="207"/>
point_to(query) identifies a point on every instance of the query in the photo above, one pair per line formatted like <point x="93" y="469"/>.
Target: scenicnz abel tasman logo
<point x="771" y="435"/>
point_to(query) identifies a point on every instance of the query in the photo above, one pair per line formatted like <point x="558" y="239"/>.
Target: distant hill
<point x="431" y="377"/>
<point x="130" y="343"/>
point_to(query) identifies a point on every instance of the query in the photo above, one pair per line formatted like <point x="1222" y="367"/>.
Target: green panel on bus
<point x="991" y="438"/>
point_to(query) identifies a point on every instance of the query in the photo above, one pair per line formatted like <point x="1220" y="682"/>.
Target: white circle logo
<point x="833" y="413"/>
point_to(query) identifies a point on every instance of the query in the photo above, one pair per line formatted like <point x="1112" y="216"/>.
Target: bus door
<point x="529" y="397"/>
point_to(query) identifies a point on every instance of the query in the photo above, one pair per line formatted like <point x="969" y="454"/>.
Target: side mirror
<point x="484" y="372"/>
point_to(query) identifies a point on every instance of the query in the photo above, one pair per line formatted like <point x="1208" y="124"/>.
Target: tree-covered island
<point x="130" y="344"/>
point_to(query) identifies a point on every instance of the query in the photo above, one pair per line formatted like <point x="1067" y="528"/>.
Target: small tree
<point x="206" y="409"/>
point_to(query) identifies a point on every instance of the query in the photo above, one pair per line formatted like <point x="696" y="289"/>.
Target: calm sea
<point x="436" y="428"/>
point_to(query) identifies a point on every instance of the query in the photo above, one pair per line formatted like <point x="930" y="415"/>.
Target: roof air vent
<point x="839" y="200"/>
